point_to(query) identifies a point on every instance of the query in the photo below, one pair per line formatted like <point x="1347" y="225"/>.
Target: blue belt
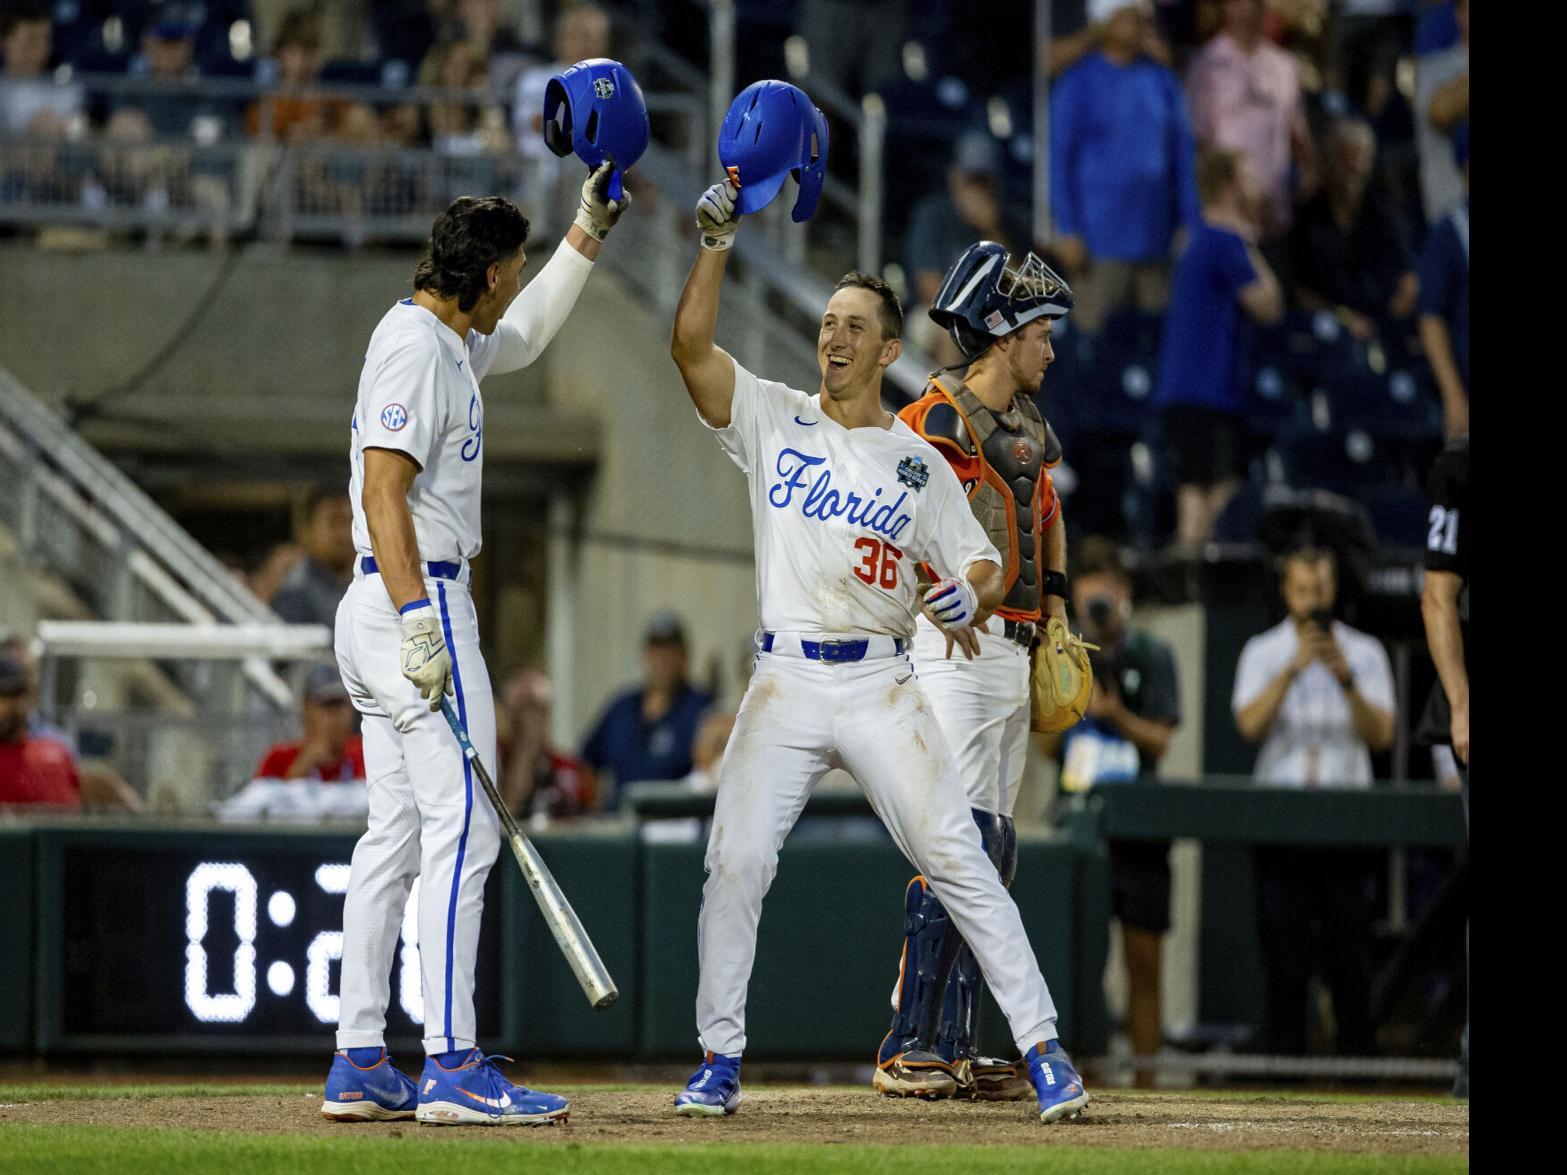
<point x="832" y="651"/>
<point x="437" y="570"/>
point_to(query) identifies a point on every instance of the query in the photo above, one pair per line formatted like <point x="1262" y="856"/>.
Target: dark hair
<point x="1098" y="555"/>
<point x="891" y="308"/>
<point x="1217" y="169"/>
<point x="469" y="237"/>
<point x="323" y="492"/>
<point x="12" y="16"/>
<point x="300" y="27"/>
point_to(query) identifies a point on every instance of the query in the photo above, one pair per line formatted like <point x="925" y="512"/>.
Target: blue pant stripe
<point x="467" y="811"/>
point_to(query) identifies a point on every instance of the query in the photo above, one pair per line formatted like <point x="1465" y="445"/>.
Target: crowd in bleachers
<point x="1353" y="120"/>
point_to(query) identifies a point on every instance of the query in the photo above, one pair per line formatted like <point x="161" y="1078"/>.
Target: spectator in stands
<point x="1444" y="302"/>
<point x="1245" y="94"/>
<point x="100" y="785"/>
<point x="168" y="49"/>
<point x="1349" y="251"/>
<point x="1203" y="387"/>
<point x="581" y="31"/>
<point x="538" y="781"/>
<point x="856" y="45"/>
<point x="461" y="128"/>
<point x="313" y="589"/>
<point x="1121" y="168"/>
<point x="31" y="101"/>
<point x="34" y="770"/>
<point x="295" y="113"/>
<point x="482" y="26"/>
<point x="330" y="750"/>
<point x="1076" y="27"/>
<point x="1131" y="718"/>
<point x="1441" y="107"/>
<point x="943" y="224"/>
<point x="1318" y="695"/>
<point x="646" y="733"/>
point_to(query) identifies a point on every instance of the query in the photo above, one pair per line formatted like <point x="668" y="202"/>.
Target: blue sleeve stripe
<point x="462" y="842"/>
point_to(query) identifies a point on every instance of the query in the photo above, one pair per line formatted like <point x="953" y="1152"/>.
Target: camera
<point x="1322" y="618"/>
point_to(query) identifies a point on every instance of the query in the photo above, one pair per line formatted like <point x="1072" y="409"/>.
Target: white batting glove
<point x="952" y="603"/>
<point x="715" y="216"/>
<point x="598" y="213"/>
<point x="424" y="658"/>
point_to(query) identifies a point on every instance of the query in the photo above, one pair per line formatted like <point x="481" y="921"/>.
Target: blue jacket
<point x="1122" y="158"/>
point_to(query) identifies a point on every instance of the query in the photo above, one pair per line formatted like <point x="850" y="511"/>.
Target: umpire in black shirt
<point x="1444" y="604"/>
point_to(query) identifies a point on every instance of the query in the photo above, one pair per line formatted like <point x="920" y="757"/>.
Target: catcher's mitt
<point x="1062" y="681"/>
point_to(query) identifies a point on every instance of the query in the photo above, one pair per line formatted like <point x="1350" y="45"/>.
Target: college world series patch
<point x="913" y="473"/>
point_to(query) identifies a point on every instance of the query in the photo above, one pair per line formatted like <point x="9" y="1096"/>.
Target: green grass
<point x="90" y="1150"/>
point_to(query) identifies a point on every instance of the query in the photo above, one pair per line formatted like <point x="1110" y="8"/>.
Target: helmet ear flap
<point x="557" y="119"/>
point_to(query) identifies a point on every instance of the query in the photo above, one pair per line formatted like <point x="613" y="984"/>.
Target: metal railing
<point x="80" y="521"/>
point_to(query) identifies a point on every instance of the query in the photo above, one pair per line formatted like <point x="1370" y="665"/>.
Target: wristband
<point x="1053" y="583"/>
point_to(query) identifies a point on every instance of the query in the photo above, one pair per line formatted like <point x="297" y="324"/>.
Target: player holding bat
<point x="845" y="501"/>
<point x="407" y="640"/>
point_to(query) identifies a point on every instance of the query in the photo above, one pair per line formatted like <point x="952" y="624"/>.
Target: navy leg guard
<point x="929" y="942"/>
<point x="960" y="1004"/>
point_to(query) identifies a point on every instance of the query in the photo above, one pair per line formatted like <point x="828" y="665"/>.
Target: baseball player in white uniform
<point x="846" y="500"/>
<point x="406" y="636"/>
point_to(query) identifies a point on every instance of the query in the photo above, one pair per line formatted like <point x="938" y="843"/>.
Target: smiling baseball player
<point x="407" y="635"/>
<point x="845" y="501"/>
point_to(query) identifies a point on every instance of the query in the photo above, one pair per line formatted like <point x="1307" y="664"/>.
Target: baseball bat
<point x="562" y="920"/>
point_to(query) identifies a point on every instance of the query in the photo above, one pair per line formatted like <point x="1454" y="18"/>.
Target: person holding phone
<point x="1318" y="695"/>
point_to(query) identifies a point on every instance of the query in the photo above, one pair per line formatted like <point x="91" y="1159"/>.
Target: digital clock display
<point x="213" y="944"/>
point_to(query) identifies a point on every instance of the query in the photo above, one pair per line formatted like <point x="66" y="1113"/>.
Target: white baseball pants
<point x="982" y="706"/>
<point x="428" y="818"/>
<point x="800" y="718"/>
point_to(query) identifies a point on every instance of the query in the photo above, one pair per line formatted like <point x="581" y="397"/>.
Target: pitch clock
<point x="244" y="943"/>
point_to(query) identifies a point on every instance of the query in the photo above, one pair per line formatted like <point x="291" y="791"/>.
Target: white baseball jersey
<point x="419" y="394"/>
<point x="842" y="516"/>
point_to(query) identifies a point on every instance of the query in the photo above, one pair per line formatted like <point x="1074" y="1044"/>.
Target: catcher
<point x="988" y="428"/>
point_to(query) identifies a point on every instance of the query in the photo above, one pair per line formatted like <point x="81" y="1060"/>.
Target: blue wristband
<point x="413" y="607"/>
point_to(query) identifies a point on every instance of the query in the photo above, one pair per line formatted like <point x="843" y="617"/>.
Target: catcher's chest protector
<point x="1015" y="448"/>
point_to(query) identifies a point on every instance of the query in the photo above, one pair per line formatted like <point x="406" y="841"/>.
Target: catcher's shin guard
<point x="906" y="1063"/>
<point x="985" y="1078"/>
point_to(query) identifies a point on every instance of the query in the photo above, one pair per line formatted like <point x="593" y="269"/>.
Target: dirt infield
<point x="837" y="1115"/>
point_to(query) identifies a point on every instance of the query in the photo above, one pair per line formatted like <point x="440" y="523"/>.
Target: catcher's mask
<point x="984" y="296"/>
<point x="772" y="131"/>
<point x="596" y="109"/>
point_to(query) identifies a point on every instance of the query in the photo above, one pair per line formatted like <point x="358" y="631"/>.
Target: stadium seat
<point x="1398" y="514"/>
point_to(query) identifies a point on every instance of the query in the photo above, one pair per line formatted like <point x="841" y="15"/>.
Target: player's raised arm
<point x="538" y="312"/>
<point x="708" y="370"/>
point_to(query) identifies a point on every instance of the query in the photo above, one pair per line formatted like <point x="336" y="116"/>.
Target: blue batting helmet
<point x="983" y="298"/>
<point x="596" y="109"/>
<point x="771" y="131"/>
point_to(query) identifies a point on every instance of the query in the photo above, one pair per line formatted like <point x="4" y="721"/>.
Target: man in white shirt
<point x="1318" y="695"/>
<point x="407" y="637"/>
<point x="846" y="500"/>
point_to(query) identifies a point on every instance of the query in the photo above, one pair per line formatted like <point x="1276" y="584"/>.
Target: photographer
<point x="1131" y="717"/>
<point x="1318" y="695"/>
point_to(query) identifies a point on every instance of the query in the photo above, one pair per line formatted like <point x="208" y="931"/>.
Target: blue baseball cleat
<point x="714" y="1089"/>
<point x="1056" y="1083"/>
<point x="474" y="1093"/>
<point x="376" y="1091"/>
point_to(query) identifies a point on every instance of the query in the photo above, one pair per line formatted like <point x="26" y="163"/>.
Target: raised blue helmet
<point x="596" y="109"/>
<point x="772" y="131"/>
<point x="983" y="297"/>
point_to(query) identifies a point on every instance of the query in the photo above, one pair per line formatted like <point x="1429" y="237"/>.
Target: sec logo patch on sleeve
<point x="394" y="417"/>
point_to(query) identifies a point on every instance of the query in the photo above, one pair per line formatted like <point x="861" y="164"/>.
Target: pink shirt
<point x="1251" y="103"/>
